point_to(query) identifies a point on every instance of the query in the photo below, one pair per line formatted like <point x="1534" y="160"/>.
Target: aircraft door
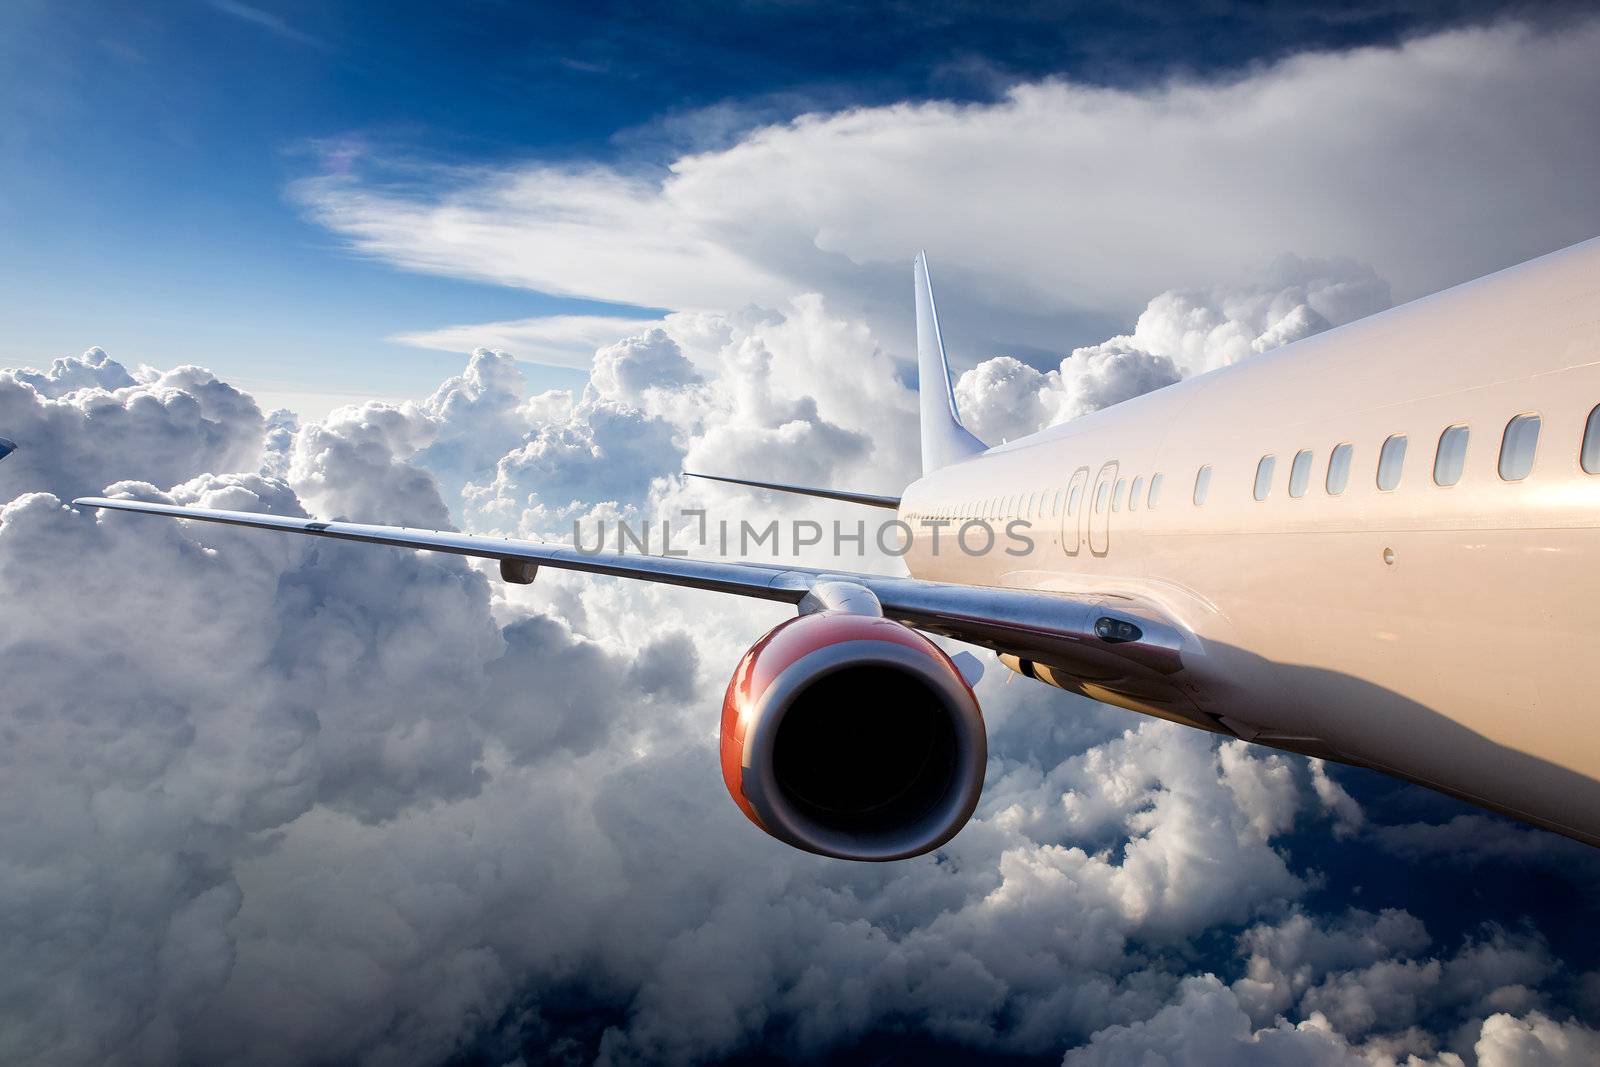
<point x="1073" y="512"/>
<point x="1099" y="510"/>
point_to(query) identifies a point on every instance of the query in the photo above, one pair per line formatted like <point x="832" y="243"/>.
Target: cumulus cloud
<point x="650" y="360"/>
<point x="269" y="680"/>
<point x="1203" y="329"/>
<point x="1179" y="334"/>
<point x="1535" y="1041"/>
<point x="554" y="340"/>
<point x="755" y="392"/>
<point x="1205" y="1025"/>
<point x="256" y="680"/>
<point x="1075" y="199"/>
<point x="87" y="422"/>
<point x="354" y="464"/>
<point x="1002" y="398"/>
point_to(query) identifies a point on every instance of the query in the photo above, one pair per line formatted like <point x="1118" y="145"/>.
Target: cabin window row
<point x="1116" y="494"/>
<point x="1519" y="444"/>
<point x="1050" y="504"/>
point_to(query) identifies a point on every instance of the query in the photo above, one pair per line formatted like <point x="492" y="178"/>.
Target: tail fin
<point x="944" y="439"/>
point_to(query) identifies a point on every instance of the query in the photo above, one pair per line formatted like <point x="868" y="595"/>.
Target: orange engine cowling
<point x="852" y="736"/>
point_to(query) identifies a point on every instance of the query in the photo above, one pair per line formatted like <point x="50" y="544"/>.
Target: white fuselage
<point x="1445" y="634"/>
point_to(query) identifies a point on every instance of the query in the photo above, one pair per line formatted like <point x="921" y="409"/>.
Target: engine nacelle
<point x="852" y="736"/>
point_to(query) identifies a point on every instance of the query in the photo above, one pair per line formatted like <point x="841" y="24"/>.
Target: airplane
<point x="6" y="447"/>
<point x="1377" y="546"/>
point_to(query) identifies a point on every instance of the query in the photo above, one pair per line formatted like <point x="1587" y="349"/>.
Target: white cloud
<point x="1536" y="1041"/>
<point x="353" y="466"/>
<point x="1057" y="200"/>
<point x="1179" y="334"/>
<point x="650" y="360"/>
<point x="554" y="340"/>
<point x="1203" y="329"/>
<point x="747" y="393"/>
<point x="87" y="422"/>
<point x="1289" y="957"/>
<point x="588" y="223"/>
<point x="1204" y="1025"/>
<point x="1004" y="398"/>
<point x="1348" y="817"/>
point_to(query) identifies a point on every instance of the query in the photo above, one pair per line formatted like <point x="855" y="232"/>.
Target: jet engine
<point x="852" y="736"/>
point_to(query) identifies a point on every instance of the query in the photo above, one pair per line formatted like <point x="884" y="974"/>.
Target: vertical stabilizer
<point x="944" y="439"/>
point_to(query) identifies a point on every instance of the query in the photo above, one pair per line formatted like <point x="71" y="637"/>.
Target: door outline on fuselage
<point x="1101" y="522"/>
<point x="1072" y="517"/>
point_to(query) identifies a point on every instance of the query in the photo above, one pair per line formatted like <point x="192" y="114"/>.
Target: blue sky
<point x="146" y="152"/>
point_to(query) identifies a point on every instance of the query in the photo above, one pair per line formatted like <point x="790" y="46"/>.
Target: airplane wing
<point x="1102" y="638"/>
<point x="873" y="500"/>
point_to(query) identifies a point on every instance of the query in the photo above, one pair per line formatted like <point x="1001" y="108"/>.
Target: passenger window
<point x="1155" y="489"/>
<point x="1133" y="494"/>
<point x="1116" y="494"/>
<point x="1391" y="462"/>
<point x="1590" y="456"/>
<point x="1300" y="473"/>
<point x="1072" y="501"/>
<point x="1339" y="469"/>
<point x="1518" y="446"/>
<point x="1100" y="497"/>
<point x="1451" y="457"/>
<point x="1264" y="476"/>
<point x="1202" y="484"/>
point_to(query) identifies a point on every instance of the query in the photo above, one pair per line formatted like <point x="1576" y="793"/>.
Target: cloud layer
<point x="361" y="805"/>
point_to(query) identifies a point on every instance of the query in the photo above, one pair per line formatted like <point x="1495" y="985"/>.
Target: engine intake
<point x="852" y="736"/>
